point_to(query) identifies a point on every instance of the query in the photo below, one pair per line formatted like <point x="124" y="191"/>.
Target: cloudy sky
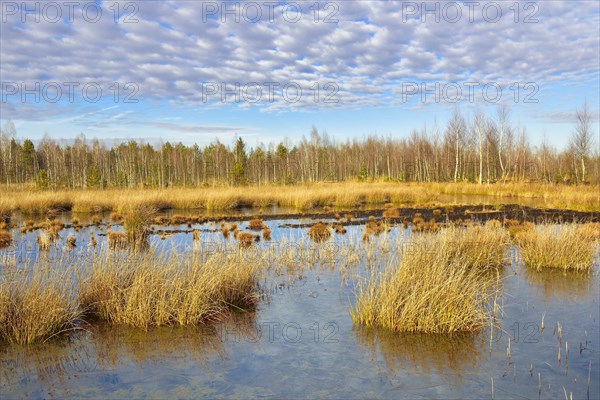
<point x="194" y="71"/>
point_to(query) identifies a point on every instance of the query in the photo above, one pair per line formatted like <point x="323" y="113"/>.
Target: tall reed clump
<point x="565" y="246"/>
<point x="137" y="221"/>
<point x="319" y="232"/>
<point x="36" y="305"/>
<point x="434" y="288"/>
<point x="168" y="290"/>
<point x="5" y="238"/>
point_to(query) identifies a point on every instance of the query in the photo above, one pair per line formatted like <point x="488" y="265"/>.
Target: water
<point x="300" y="342"/>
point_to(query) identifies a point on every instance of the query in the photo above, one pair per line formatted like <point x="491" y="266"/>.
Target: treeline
<point x="478" y="149"/>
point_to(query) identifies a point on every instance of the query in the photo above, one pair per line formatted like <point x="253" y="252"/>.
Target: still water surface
<point x="300" y="342"/>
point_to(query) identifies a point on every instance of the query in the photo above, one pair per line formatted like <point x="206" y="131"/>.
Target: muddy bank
<point x="480" y="213"/>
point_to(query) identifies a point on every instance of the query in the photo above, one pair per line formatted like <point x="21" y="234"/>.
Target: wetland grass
<point x="179" y="220"/>
<point x="565" y="247"/>
<point x="266" y="234"/>
<point x="5" y="238"/>
<point x="169" y="290"/>
<point x="340" y="229"/>
<point x="246" y="239"/>
<point x="256" y="224"/>
<point x="319" y="232"/>
<point x="36" y="306"/>
<point x="440" y="286"/>
<point x="225" y="232"/>
<point x="116" y="217"/>
<point x="117" y="240"/>
<point x="301" y="197"/>
<point x="71" y="242"/>
<point x="391" y="212"/>
<point x="45" y="240"/>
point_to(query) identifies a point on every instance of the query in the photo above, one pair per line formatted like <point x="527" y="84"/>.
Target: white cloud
<point x="171" y="50"/>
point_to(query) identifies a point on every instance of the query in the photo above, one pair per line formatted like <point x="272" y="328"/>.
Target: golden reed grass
<point x="301" y="197"/>
<point x="36" y="305"/>
<point x="319" y="232"/>
<point x="168" y="290"/>
<point x="441" y="284"/>
<point x="565" y="246"/>
<point x="5" y="238"/>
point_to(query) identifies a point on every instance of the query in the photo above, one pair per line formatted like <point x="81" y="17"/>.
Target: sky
<point x="193" y="71"/>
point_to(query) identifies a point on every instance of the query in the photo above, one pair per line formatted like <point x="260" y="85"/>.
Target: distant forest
<point x="480" y="148"/>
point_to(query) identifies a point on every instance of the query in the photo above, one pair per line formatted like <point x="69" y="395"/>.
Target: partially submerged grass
<point x="256" y="224"/>
<point x="117" y="240"/>
<point x="5" y="238"/>
<point x="319" y="232"/>
<point x="246" y="239"/>
<point x="173" y="290"/>
<point x="566" y="246"/>
<point x="391" y="212"/>
<point x="36" y="306"/>
<point x="266" y="233"/>
<point x="45" y="240"/>
<point x="441" y="284"/>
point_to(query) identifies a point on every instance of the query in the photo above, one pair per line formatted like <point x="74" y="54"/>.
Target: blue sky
<point x="369" y="59"/>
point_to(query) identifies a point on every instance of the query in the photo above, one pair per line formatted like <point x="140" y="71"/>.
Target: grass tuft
<point x="5" y="238"/>
<point x="567" y="247"/>
<point x="437" y="286"/>
<point x="246" y="239"/>
<point x="256" y="224"/>
<point x="173" y="290"/>
<point x="36" y="306"/>
<point x="391" y="212"/>
<point x="319" y="232"/>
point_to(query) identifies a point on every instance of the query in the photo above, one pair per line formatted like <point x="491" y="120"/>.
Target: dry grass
<point x="246" y="239"/>
<point x="266" y="234"/>
<point x="225" y="232"/>
<point x="71" y="242"/>
<point x="340" y="229"/>
<point x="93" y="241"/>
<point x="391" y="212"/>
<point x="256" y="224"/>
<point x="117" y="240"/>
<point x="172" y="290"/>
<point x="45" y="240"/>
<point x="137" y="222"/>
<point x="319" y="232"/>
<point x="440" y="284"/>
<point x="5" y="238"/>
<point x="422" y="226"/>
<point x="301" y="197"/>
<point x="515" y="228"/>
<point x="36" y="306"/>
<point x="567" y="246"/>
<point x="116" y="217"/>
<point x="179" y="220"/>
<point x="591" y="231"/>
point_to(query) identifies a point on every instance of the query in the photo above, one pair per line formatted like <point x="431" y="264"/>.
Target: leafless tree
<point x="581" y="141"/>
